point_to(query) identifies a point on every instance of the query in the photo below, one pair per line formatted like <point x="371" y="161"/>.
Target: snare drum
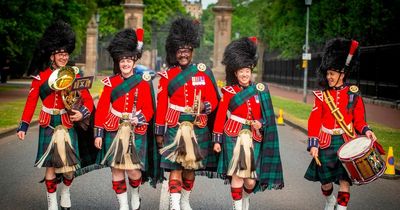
<point x="361" y="161"/>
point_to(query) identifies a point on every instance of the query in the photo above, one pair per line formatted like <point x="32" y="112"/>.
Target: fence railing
<point x="378" y="76"/>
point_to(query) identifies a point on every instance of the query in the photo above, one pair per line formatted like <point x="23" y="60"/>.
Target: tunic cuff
<point x="85" y="112"/>
<point x="98" y="132"/>
<point x="217" y="138"/>
<point x="159" y="130"/>
<point x="207" y="107"/>
<point x="312" y="142"/>
<point x="365" y="129"/>
<point x="141" y="118"/>
<point x="23" y="126"/>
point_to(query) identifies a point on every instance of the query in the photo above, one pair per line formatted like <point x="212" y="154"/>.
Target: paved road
<point x="20" y="189"/>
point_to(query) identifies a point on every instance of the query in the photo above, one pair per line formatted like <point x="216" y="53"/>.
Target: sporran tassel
<point x="242" y="162"/>
<point x="197" y="152"/>
<point x="56" y="158"/>
<point x="185" y="152"/>
<point x="133" y="154"/>
<point x="71" y="155"/>
<point x="180" y="149"/>
<point x="242" y="159"/>
<point x="120" y="153"/>
<point x="253" y="161"/>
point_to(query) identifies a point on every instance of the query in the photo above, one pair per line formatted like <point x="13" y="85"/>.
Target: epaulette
<point x="228" y="89"/>
<point x="106" y="81"/>
<point x="37" y="77"/>
<point x="163" y="74"/>
<point x="318" y="94"/>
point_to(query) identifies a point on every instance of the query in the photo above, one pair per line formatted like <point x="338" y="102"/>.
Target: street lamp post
<point x="97" y="17"/>
<point x="306" y="56"/>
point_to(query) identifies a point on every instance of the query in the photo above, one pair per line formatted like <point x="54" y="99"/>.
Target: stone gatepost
<point x="222" y="35"/>
<point x="91" y="48"/>
<point x="133" y="10"/>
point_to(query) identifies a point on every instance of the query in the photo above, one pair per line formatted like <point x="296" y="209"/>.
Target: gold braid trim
<point x="348" y="129"/>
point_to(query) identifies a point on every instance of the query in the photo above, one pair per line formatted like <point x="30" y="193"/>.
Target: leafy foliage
<point x="22" y="23"/>
<point x="281" y="24"/>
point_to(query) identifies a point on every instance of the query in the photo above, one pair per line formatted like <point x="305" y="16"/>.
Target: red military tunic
<point x="52" y="103"/>
<point x="107" y="119"/>
<point x="182" y="97"/>
<point x="322" y="124"/>
<point x="229" y="124"/>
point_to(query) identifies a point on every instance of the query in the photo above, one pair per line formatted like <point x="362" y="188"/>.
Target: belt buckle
<point x="188" y="109"/>
<point x="56" y="111"/>
<point x="248" y="122"/>
<point x="125" y="116"/>
<point x="336" y="131"/>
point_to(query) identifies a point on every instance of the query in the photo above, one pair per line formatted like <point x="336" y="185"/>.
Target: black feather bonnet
<point x="335" y="56"/>
<point x="238" y="54"/>
<point x="184" y="33"/>
<point x="58" y="37"/>
<point x="124" y="45"/>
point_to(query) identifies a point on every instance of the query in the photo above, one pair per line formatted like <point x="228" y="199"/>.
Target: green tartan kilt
<point x="331" y="169"/>
<point x="203" y="139"/>
<point x="45" y="134"/>
<point x="225" y="156"/>
<point x="140" y="143"/>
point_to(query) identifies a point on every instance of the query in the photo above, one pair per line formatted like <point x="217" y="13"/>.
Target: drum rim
<point x="362" y="153"/>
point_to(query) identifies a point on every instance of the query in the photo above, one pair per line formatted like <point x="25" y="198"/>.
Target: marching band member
<point x="186" y="95"/>
<point x="338" y="116"/>
<point x="245" y="132"/>
<point x="58" y="143"/>
<point x="125" y="108"/>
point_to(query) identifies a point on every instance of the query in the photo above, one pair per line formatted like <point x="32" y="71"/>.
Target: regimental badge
<point x="76" y="69"/>
<point x="201" y="67"/>
<point x="260" y="87"/>
<point x="354" y="89"/>
<point x="146" y="76"/>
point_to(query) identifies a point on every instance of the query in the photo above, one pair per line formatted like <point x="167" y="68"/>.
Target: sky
<point x="205" y="3"/>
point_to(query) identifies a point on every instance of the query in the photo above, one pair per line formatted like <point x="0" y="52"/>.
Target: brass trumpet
<point x="64" y="80"/>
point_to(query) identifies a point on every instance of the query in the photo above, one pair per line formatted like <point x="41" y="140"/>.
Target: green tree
<point x="22" y="23"/>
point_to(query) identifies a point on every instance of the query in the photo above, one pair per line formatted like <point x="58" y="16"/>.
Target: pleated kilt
<point x="331" y="169"/>
<point x="203" y="139"/>
<point x="45" y="135"/>
<point x="225" y="157"/>
<point x="140" y="144"/>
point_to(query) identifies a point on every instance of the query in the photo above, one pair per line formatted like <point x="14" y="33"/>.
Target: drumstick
<point x="317" y="161"/>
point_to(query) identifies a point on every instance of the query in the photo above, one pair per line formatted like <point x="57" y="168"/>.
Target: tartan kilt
<point x="203" y="139"/>
<point x="45" y="134"/>
<point x="228" y="145"/>
<point x="331" y="169"/>
<point x="140" y="143"/>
